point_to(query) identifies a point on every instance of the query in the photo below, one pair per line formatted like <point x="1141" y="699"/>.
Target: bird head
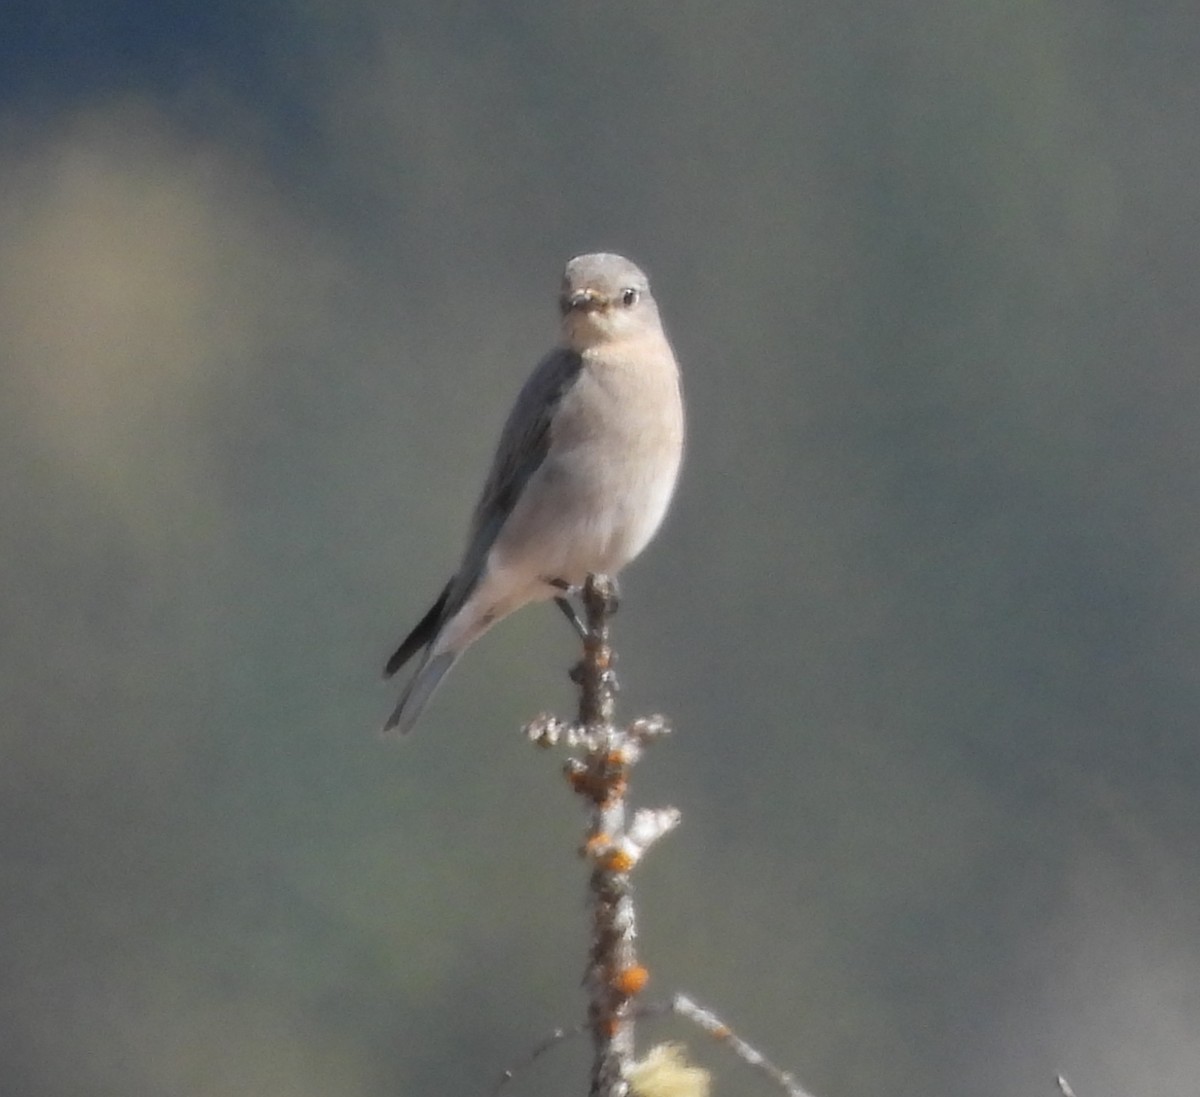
<point x="604" y="297"/>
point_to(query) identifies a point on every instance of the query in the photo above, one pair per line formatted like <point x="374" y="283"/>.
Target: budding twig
<point x="613" y="845"/>
<point x="613" y="975"/>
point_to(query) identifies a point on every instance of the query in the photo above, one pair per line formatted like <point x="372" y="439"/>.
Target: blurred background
<point x="925" y="615"/>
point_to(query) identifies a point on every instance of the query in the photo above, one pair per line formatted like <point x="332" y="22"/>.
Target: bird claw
<point x="571" y="615"/>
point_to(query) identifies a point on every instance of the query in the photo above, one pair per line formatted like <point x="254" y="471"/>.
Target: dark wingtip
<point x="421" y="635"/>
<point x="413" y="642"/>
<point x="394" y="663"/>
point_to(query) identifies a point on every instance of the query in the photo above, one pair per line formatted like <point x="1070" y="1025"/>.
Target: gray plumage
<point x="583" y="473"/>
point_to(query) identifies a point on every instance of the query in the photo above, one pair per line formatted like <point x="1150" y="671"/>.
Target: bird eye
<point x="629" y="297"/>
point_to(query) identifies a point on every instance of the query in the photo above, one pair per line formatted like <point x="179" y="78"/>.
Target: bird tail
<point x="419" y="690"/>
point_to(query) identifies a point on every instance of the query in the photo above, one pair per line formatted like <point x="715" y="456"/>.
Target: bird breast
<point x="604" y="486"/>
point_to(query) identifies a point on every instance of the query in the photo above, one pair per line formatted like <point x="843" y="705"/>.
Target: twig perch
<point x="613" y="977"/>
<point x="613" y="845"/>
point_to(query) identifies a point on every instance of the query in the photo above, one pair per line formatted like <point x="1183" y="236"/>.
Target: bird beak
<point x="583" y="300"/>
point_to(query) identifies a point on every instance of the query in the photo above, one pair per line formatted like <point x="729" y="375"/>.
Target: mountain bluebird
<point x="582" y="476"/>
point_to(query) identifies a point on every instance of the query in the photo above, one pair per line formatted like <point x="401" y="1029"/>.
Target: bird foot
<point x="601" y="587"/>
<point x="571" y="615"/>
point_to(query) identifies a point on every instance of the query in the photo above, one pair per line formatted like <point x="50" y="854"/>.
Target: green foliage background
<point x="925" y="613"/>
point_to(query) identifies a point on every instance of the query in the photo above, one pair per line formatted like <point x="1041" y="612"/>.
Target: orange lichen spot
<point x="618" y="860"/>
<point x="616" y="757"/>
<point x="722" y="1032"/>
<point x="596" y="845"/>
<point x="630" y="981"/>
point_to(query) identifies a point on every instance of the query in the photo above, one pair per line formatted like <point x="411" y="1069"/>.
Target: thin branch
<point x="556" y="1037"/>
<point x="720" y="1031"/>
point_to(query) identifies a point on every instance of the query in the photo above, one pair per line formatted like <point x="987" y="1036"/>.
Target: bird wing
<point x="524" y="443"/>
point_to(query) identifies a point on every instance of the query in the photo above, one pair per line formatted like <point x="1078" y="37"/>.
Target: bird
<point x="582" y="476"/>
